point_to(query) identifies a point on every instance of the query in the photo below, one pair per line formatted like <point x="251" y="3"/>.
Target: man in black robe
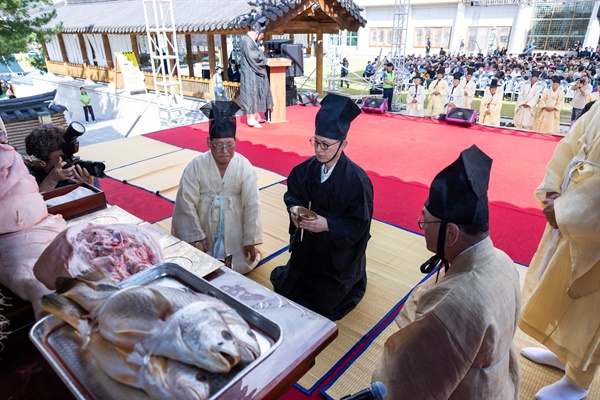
<point x="327" y="268"/>
<point x="255" y="91"/>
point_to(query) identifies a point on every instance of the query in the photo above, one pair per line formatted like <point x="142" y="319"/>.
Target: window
<point x="351" y="38"/>
<point x="439" y="37"/>
<point x="485" y="39"/>
<point x="559" y="26"/>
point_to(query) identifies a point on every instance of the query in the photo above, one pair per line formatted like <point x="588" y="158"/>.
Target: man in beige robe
<point x="437" y="88"/>
<point x="561" y="294"/>
<point x="529" y="95"/>
<point x="491" y="105"/>
<point x="469" y="88"/>
<point x="217" y="208"/>
<point x="456" y="335"/>
<point x="415" y="98"/>
<point x="549" y="107"/>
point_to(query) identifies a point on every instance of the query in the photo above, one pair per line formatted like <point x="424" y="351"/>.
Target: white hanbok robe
<point x="469" y="93"/>
<point x="225" y="210"/>
<point x="453" y="96"/>
<point x="436" y="101"/>
<point x="524" y="116"/>
<point x="415" y="93"/>
<point x="494" y="104"/>
<point x="549" y="121"/>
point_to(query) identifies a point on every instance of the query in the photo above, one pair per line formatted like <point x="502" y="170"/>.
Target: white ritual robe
<point x="436" y="101"/>
<point x="525" y="116"/>
<point x="494" y="104"/>
<point x="415" y="93"/>
<point x="225" y="210"/>
<point x="549" y="121"/>
<point x="453" y="97"/>
<point x="561" y="308"/>
<point x="469" y="93"/>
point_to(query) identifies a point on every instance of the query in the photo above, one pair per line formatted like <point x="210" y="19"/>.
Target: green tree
<point x="19" y="20"/>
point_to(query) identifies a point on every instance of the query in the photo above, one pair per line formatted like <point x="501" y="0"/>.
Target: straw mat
<point x="390" y="278"/>
<point x="120" y="152"/>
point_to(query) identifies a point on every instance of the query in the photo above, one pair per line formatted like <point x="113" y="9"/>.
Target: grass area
<point x="360" y="87"/>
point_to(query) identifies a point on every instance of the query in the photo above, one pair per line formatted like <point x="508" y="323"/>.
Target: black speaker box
<point x="294" y="53"/>
<point x="461" y="116"/>
<point x="374" y="105"/>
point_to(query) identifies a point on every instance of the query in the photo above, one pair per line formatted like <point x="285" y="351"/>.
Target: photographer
<point x="45" y="144"/>
<point x="582" y="89"/>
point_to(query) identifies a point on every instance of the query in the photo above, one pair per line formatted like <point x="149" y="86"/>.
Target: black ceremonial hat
<point x="494" y="83"/>
<point x="458" y="194"/>
<point x="556" y="79"/>
<point x="536" y="74"/>
<point x="334" y="118"/>
<point x="441" y="70"/>
<point x="457" y="75"/>
<point x="259" y="24"/>
<point x="470" y="71"/>
<point x="221" y="115"/>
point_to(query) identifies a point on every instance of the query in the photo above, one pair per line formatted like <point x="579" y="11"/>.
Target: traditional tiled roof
<point x="29" y="107"/>
<point x="127" y="16"/>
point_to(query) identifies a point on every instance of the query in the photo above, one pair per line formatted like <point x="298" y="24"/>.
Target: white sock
<point x="563" y="390"/>
<point x="252" y="121"/>
<point x="542" y="356"/>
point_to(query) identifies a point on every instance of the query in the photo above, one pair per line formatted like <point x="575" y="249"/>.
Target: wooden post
<point x="319" y="50"/>
<point x="224" y="57"/>
<point x="210" y="41"/>
<point x="311" y="45"/>
<point x="190" y="55"/>
<point x="63" y="48"/>
<point x="86" y="57"/>
<point x="134" y="47"/>
<point x="45" y="50"/>
<point x="107" y="51"/>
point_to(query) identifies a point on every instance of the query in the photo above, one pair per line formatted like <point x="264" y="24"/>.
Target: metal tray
<point x="61" y="347"/>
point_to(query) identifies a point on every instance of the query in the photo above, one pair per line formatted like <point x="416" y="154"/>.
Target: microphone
<point x="377" y="391"/>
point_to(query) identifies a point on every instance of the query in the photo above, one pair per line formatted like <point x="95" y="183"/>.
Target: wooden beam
<point x="189" y="54"/>
<point x="107" y="51"/>
<point x="63" y="48"/>
<point x="224" y="56"/>
<point x="210" y="41"/>
<point x="309" y="26"/>
<point x="45" y="50"/>
<point x="86" y="57"/>
<point x="134" y="47"/>
<point x="281" y="22"/>
<point x="320" y="62"/>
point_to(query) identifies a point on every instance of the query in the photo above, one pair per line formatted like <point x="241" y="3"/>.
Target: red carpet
<point x="402" y="155"/>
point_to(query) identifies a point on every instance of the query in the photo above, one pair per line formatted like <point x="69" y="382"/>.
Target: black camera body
<point x="70" y="146"/>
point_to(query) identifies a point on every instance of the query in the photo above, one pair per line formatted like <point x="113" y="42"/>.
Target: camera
<point x="70" y="146"/>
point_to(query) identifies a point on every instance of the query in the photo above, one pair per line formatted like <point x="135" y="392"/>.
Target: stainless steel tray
<point x="61" y="347"/>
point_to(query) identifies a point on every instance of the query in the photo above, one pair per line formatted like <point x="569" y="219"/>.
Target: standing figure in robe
<point x="529" y="95"/>
<point x="549" y="107"/>
<point x="456" y="333"/>
<point x="217" y="208"/>
<point x="326" y="271"/>
<point x="454" y="94"/>
<point x="561" y="294"/>
<point x="491" y="105"/>
<point x="415" y="98"/>
<point x="469" y="88"/>
<point x="437" y="88"/>
<point x="255" y="90"/>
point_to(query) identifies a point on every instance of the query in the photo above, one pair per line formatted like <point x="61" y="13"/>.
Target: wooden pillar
<point x="292" y="37"/>
<point x="210" y="41"/>
<point x="107" y="51"/>
<point x="63" y="48"/>
<point x="319" y="51"/>
<point x="134" y="47"/>
<point x="311" y="38"/>
<point x="45" y="50"/>
<point x="86" y="57"/>
<point x="189" y="54"/>
<point x="224" y="57"/>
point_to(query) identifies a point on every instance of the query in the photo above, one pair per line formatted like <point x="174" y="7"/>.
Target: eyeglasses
<point x="324" y="146"/>
<point x="422" y="223"/>
<point x="220" y="146"/>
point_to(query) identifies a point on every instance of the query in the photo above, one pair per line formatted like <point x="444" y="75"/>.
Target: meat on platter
<point x="169" y="342"/>
<point x="119" y="249"/>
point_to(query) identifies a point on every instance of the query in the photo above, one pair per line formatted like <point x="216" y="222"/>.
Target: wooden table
<point x="25" y="374"/>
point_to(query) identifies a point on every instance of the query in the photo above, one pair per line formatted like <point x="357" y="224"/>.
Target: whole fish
<point x="159" y="377"/>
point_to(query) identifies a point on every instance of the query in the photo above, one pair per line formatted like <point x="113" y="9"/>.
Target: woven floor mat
<point x="120" y="152"/>
<point x="390" y="277"/>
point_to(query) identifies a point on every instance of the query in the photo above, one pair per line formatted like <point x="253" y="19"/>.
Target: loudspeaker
<point x="308" y="98"/>
<point x="293" y="52"/>
<point x="461" y="116"/>
<point x="374" y="105"/>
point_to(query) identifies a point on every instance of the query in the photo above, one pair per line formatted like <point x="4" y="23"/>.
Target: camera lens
<point x="95" y="168"/>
